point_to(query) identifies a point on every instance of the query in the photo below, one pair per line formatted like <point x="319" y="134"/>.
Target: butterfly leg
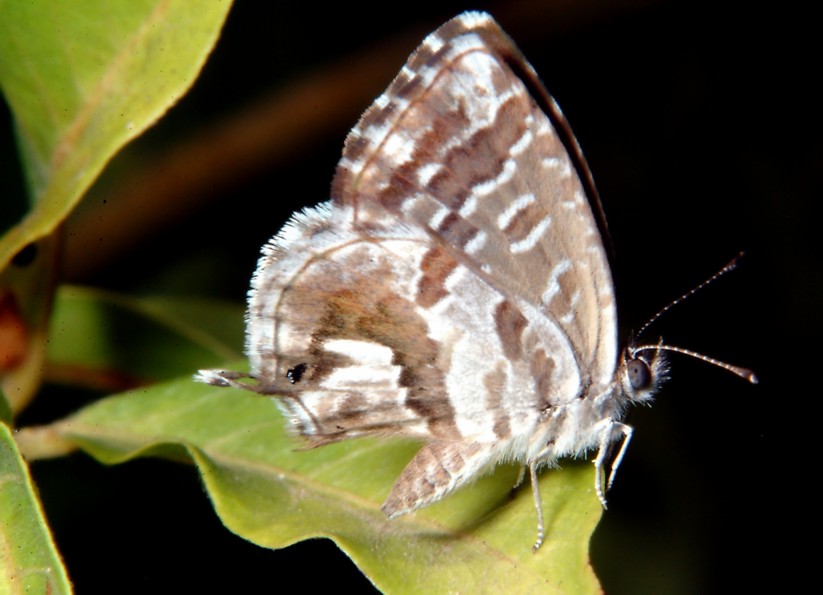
<point x="605" y="440"/>
<point x="521" y="475"/>
<point x="538" y="504"/>
<point x="627" y="437"/>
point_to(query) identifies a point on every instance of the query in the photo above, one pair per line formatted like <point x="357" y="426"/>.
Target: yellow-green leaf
<point x="29" y="562"/>
<point x="264" y="489"/>
<point x="82" y="79"/>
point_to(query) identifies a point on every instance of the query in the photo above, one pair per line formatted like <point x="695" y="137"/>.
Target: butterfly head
<point x="642" y="371"/>
<point x="643" y="368"/>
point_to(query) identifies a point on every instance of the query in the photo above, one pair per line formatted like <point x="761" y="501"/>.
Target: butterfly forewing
<point x="458" y="147"/>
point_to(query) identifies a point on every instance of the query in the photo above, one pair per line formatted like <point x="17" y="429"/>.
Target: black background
<point x="699" y="124"/>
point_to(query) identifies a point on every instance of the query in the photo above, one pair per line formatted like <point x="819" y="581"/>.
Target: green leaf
<point x="5" y="410"/>
<point x="270" y="492"/>
<point x="83" y="80"/>
<point x="104" y="338"/>
<point x="29" y="562"/>
<point x="26" y="292"/>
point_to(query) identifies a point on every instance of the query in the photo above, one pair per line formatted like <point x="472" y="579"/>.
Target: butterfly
<point x="455" y="288"/>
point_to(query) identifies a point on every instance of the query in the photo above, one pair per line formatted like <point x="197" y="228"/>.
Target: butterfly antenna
<point x="737" y="370"/>
<point x="728" y="268"/>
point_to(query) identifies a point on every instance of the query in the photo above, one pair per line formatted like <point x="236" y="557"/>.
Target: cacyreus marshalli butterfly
<point x="456" y="288"/>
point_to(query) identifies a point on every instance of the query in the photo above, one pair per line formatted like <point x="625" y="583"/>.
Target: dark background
<point x="699" y="124"/>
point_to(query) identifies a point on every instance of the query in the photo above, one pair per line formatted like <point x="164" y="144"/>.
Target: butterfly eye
<point x="640" y="375"/>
